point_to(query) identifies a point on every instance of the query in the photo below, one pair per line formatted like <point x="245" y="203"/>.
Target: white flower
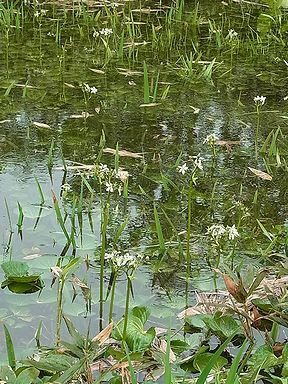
<point x="56" y="271"/>
<point x="232" y="232"/>
<point x="216" y="231"/>
<point x="66" y="187"/>
<point x="232" y="34"/>
<point x="210" y="139"/>
<point x="122" y="175"/>
<point x="103" y="32"/>
<point x="93" y="90"/>
<point x="183" y="168"/>
<point x="259" y="100"/>
<point x="86" y="87"/>
<point x="198" y="162"/>
<point x="37" y="14"/>
<point x="127" y="259"/>
<point x="109" y="187"/>
<point x="103" y="170"/>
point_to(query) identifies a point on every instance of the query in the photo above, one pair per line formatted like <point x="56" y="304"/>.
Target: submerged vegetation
<point x="143" y="176"/>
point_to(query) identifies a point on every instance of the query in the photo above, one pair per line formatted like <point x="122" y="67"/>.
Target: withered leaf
<point x="41" y="125"/>
<point x="227" y="142"/>
<point x="99" y="71"/>
<point x="124" y="153"/>
<point x="149" y="105"/>
<point x="262" y="175"/>
<point x="104" y="334"/>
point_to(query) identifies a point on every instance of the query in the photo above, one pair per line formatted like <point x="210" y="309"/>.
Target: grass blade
<point x="40" y="191"/>
<point x="146" y="84"/>
<point x="232" y="374"/>
<point x="204" y="374"/>
<point x="10" y="348"/>
<point x="159" y="231"/>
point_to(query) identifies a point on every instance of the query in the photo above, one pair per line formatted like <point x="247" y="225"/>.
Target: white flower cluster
<point x="92" y="90"/>
<point x="259" y="100"/>
<point x="66" y="188"/>
<point x="126" y="260"/>
<point x="217" y="231"/>
<point x="232" y="34"/>
<point x="40" y="13"/>
<point x="103" y="32"/>
<point x="110" y="177"/>
<point x="197" y="162"/>
<point x="210" y="139"/>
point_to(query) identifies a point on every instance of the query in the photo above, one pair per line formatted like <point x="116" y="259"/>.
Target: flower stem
<point x="112" y="297"/>
<point x="128" y="289"/>
<point x="59" y="309"/>
<point x="102" y="263"/>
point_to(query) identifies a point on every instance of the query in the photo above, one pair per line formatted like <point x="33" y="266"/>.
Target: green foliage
<point x="18" y="280"/>
<point x="137" y="339"/>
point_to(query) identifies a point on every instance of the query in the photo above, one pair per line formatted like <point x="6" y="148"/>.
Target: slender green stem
<point x="257" y="131"/>
<point x="128" y="289"/>
<point x="112" y="297"/>
<point x="102" y="263"/>
<point x="59" y="309"/>
<point x="188" y="255"/>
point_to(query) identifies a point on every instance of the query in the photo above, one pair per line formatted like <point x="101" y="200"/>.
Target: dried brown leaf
<point x="163" y="348"/>
<point x="149" y="105"/>
<point x="5" y="121"/>
<point x="41" y="125"/>
<point x="69" y="85"/>
<point x="227" y="142"/>
<point x="123" y="153"/>
<point x="99" y="71"/>
<point x="104" y="334"/>
<point x="84" y="115"/>
<point x="262" y="175"/>
<point x="232" y="288"/>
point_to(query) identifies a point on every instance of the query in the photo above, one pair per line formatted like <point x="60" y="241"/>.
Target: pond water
<point x="206" y="64"/>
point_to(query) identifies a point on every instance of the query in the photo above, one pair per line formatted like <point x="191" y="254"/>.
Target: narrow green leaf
<point x="40" y="191"/>
<point x="159" y="231"/>
<point x="232" y="374"/>
<point x="167" y="365"/>
<point x="204" y="374"/>
<point x="10" y="348"/>
<point x="146" y="84"/>
<point x="131" y="370"/>
<point x="79" y="340"/>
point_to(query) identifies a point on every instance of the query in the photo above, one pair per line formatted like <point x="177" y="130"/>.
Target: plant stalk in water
<point x="128" y="290"/>
<point x="102" y="261"/>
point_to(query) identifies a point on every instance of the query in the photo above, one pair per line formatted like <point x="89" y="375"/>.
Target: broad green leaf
<point x="15" y="268"/>
<point x="200" y="361"/>
<point x="27" y="376"/>
<point x="23" y="284"/>
<point x="7" y="374"/>
<point x="53" y="362"/>
<point x="137" y="338"/>
<point x="264" y="357"/>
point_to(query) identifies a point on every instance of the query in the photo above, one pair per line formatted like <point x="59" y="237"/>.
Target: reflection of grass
<point x="134" y="54"/>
